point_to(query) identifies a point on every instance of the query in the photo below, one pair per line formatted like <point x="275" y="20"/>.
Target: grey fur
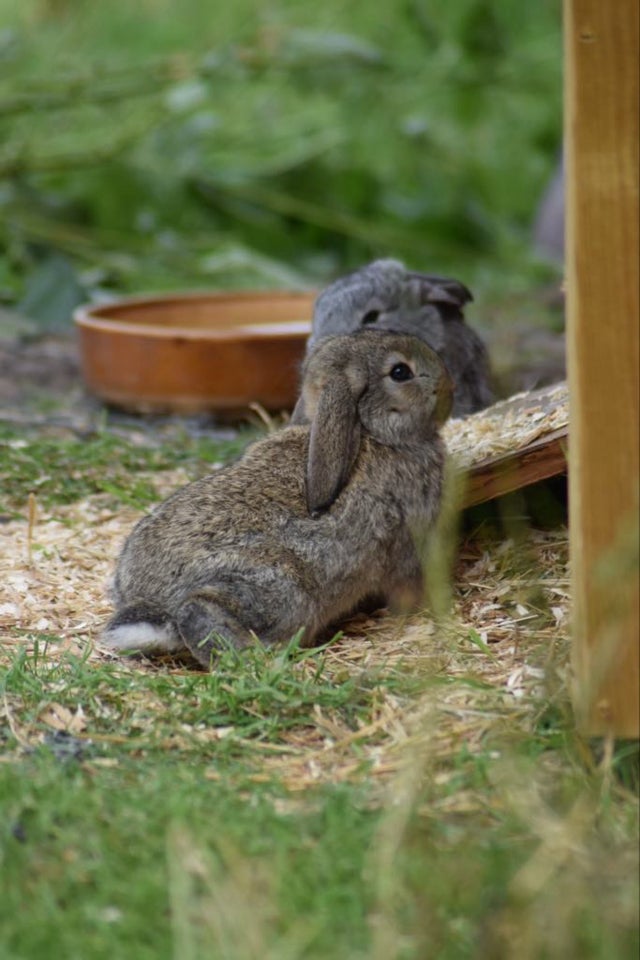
<point x="384" y="295"/>
<point x="309" y="525"/>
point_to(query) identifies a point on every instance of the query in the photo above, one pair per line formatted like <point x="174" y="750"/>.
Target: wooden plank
<point x="512" y="444"/>
<point x="601" y="144"/>
<point x="496" y="476"/>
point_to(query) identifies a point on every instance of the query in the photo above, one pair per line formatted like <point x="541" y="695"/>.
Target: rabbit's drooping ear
<point x="334" y="440"/>
<point x="444" y="290"/>
<point x="299" y="413"/>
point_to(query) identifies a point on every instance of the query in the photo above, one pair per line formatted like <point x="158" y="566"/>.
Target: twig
<point x="32" y="515"/>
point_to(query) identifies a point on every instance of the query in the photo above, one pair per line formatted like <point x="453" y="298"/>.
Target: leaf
<point x="52" y="293"/>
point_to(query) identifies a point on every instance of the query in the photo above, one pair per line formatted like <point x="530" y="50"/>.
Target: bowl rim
<point x="87" y="316"/>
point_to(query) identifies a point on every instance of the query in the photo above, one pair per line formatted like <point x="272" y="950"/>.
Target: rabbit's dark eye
<point x="371" y="316"/>
<point x="401" y="372"/>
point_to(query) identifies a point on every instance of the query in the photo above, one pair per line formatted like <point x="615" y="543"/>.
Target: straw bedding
<point x="483" y="666"/>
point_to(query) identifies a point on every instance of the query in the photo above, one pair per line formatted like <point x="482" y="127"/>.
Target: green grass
<point x="108" y="856"/>
<point x="61" y="470"/>
<point x="160" y="830"/>
<point x="96" y="834"/>
<point x="256" y="694"/>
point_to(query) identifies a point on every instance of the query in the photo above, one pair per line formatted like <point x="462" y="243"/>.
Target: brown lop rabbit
<point x="310" y="524"/>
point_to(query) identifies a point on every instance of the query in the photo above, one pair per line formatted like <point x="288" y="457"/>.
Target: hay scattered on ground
<point x="484" y="667"/>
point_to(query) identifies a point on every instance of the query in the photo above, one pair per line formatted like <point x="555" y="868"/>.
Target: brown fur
<point x="309" y="524"/>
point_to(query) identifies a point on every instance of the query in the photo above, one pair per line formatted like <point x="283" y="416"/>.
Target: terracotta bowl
<point x="193" y="352"/>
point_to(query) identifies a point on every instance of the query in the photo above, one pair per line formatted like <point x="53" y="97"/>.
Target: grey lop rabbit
<point x="384" y="295"/>
<point x="311" y="523"/>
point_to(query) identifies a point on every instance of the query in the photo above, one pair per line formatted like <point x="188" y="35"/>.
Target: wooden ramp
<point x="512" y="444"/>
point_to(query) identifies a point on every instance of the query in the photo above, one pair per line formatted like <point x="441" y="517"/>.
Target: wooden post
<point x="602" y="253"/>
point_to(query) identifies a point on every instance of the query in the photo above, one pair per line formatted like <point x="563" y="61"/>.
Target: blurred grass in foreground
<point x="181" y="820"/>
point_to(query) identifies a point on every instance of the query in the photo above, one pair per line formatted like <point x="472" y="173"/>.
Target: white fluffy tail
<point x="128" y="632"/>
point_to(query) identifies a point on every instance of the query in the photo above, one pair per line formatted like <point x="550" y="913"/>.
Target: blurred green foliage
<point x="153" y="145"/>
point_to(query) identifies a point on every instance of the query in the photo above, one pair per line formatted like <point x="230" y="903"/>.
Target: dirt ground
<point x="32" y="372"/>
<point x="41" y="387"/>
